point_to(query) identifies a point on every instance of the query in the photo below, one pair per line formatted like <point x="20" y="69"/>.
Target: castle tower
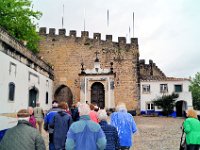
<point x="115" y="74"/>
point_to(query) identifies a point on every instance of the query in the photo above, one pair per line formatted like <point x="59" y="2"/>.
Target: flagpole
<point x="129" y="31"/>
<point x="84" y="20"/>
<point x="107" y="18"/>
<point x="133" y="24"/>
<point x="63" y="17"/>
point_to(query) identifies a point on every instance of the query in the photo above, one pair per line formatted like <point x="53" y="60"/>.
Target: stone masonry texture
<point x="66" y="53"/>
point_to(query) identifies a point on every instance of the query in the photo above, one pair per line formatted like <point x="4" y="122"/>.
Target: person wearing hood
<point x="125" y="124"/>
<point x="60" y="125"/>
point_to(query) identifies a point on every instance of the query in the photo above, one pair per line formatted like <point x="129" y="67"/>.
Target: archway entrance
<point x="33" y="97"/>
<point x="180" y="108"/>
<point x="98" y="94"/>
<point x="63" y="93"/>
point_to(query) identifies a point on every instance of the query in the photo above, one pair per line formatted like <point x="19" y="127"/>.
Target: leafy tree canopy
<point x="167" y="103"/>
<point x="16" y="16"/>
<point x="195" y="89"/>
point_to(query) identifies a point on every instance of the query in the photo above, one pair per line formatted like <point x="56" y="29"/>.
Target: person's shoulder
<point x="189" y="119"/>
<point x="77" y="126"/>
<point x="93" y="126"/>
<point x="111" y="127"/>
<point x="129" y="115"/>
<point x="62" y="113"/>
<point x="52" y="111"/>
<point x="114" y="114"/>
<point x="29" y="129"/>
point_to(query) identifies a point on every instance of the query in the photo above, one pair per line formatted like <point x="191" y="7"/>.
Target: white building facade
<point x="25" y="79"/>
<point x="152" y="89"/>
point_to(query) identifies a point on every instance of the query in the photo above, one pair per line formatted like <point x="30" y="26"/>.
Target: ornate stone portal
<point x="97" y="85"/>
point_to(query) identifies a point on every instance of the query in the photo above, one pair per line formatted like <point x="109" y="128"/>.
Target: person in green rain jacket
<point x="192" y="129"/>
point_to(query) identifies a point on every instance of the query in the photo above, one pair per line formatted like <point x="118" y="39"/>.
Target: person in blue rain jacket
<point x="85" y="134"/>
<point x="125" y="124"/>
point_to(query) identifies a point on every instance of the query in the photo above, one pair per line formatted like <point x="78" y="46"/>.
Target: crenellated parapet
<point x="150" y="70"/>
<point x="72" y="54"/>
<point x="122" y="43"/>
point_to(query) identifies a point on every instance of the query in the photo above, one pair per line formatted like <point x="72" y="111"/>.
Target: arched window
<point x="11" y="93"/>
<point x="47" y="97"/>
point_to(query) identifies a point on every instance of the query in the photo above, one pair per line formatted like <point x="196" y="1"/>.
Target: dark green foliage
<point x="167" y="103"/>
<point x="195" y="89"/>
<point x="17" y="17"/>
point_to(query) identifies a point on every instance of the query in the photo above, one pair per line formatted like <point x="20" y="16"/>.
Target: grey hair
<point x="102" y="115"/>
<point x="121" y="107"/>
<point x="83" y="109"/>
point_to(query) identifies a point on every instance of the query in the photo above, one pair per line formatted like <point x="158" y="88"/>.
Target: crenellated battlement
<point x="150" y="70"/>
<point x="85" y="35"/>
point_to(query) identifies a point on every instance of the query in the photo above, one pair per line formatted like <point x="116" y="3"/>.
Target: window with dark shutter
<point x="11" y="95"/>
<point x="178" y="88"/>
<point x="47" y="98"/>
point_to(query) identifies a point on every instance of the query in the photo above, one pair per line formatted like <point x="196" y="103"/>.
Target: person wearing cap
<point x="85" y="134"/>
<point x="109" y="130"/>
<point x="23" y="136"/>
<point x="48" y="119"/>
<point x="39" y="115"/>
<point x="125" y="125"/>
<point x="192" y="129"/>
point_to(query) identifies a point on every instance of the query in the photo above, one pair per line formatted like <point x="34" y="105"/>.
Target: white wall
<point x="155" y="91"/>
<point x="22" y="85"/>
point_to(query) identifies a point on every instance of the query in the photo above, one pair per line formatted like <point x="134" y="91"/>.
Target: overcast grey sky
<point x="168" y="31"/>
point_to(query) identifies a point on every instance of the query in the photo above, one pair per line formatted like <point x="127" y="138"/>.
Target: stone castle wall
<point x="150" y="71"/>
<point x="66" y="53"/>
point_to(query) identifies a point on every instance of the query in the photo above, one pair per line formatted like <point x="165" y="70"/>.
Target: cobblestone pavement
<point x="154" y="133"/>
<point x="45" y="136"/>
<point x="157" y="133"/>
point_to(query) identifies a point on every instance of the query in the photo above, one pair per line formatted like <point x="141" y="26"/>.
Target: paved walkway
<point x="157" y="133"/>
<point x="154" y="133"/>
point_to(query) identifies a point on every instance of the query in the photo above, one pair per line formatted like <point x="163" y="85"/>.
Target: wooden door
<point x="32" y="97"/>
<point x="98" y="94"/>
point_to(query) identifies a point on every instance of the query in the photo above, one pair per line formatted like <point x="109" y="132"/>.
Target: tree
<point x="195" y="89"/>
<point x="167" y="103"/>
<point x="17" y="17"/>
